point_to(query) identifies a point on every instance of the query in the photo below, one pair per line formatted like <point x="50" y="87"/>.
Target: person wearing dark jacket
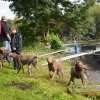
<point x="5" y="36"/>
<point x="16" y="44"/>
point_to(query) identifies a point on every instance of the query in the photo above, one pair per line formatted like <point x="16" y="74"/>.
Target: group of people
<point x="10" y="39"/>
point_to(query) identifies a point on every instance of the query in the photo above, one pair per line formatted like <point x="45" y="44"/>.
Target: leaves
<point x="47" y="16"/>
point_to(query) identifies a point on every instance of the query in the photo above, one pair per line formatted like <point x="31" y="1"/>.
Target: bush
<point x="55" y="42"/>
<point x="48" y="39"/>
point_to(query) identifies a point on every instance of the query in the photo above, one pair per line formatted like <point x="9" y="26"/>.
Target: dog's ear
<point x="50" y="59"/>
<point x="76" y="61"/>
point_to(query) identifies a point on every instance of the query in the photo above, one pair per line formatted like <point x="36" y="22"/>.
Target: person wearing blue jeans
<point x="7" y="45"/>
<point x="5" y="36"/>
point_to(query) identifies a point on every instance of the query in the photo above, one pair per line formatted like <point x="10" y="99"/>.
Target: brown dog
<point x="79" y="71"/>
<point x="4" y="53"/>
<point x="23" y="60"/>
<point x="1" y="57"/>
<point x="55" y="67"/>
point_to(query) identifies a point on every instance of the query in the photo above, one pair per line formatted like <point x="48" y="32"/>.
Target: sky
<point x="5" y="11"/>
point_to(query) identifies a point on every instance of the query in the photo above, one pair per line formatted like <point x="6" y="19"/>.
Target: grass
<point x="41" y="86"/>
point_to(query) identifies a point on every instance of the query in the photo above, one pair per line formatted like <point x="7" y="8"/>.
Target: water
<point x="94" y="64"/>
<point x="94" y="77"/>
<point x="92" y="61"/>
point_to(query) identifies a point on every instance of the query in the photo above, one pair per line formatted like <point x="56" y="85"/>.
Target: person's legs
<point x="6" y="44"/>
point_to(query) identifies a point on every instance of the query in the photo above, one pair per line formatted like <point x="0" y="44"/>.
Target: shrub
<point x="55" y="42"/>
<point x="48" y="39"/>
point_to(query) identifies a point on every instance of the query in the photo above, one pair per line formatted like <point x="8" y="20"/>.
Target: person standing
<point x="5" y="36"/>
<point x="16" y="44"/>
<point x="76" y="48"/>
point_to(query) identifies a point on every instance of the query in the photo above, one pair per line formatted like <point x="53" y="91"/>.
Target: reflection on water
<point x="94" y="76"/>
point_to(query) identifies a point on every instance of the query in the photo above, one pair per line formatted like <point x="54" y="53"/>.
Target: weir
<point x="72" y="56"/>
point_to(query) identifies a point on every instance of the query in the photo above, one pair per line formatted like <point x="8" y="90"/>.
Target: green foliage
<point x="28" y="33"/>
<point x="95" y="14"/>
<point x="48" y="38"/>
<point x="41" y="86"/>
<point x="43" y="13"/>
<point x="55" y="42"/>
<point x="43" y="17"/>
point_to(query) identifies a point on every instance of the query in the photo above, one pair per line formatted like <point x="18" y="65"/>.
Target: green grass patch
<point x="41" y="88"/>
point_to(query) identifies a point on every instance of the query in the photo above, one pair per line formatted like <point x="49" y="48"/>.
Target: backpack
<point x="0" y="27"/>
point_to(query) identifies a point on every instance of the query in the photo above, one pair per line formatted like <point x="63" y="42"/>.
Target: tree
<point x="43" y="17"/>
<point x="79" y="21"/>
<point x="95" y="14"/>
<point x="41" y="13"/>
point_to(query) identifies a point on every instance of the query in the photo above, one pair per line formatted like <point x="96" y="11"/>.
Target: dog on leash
<point x="4" y="53"/>
<point x="79" y="71"/>
<point x="55" y="67"/>
<point x="23" y="60"/>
